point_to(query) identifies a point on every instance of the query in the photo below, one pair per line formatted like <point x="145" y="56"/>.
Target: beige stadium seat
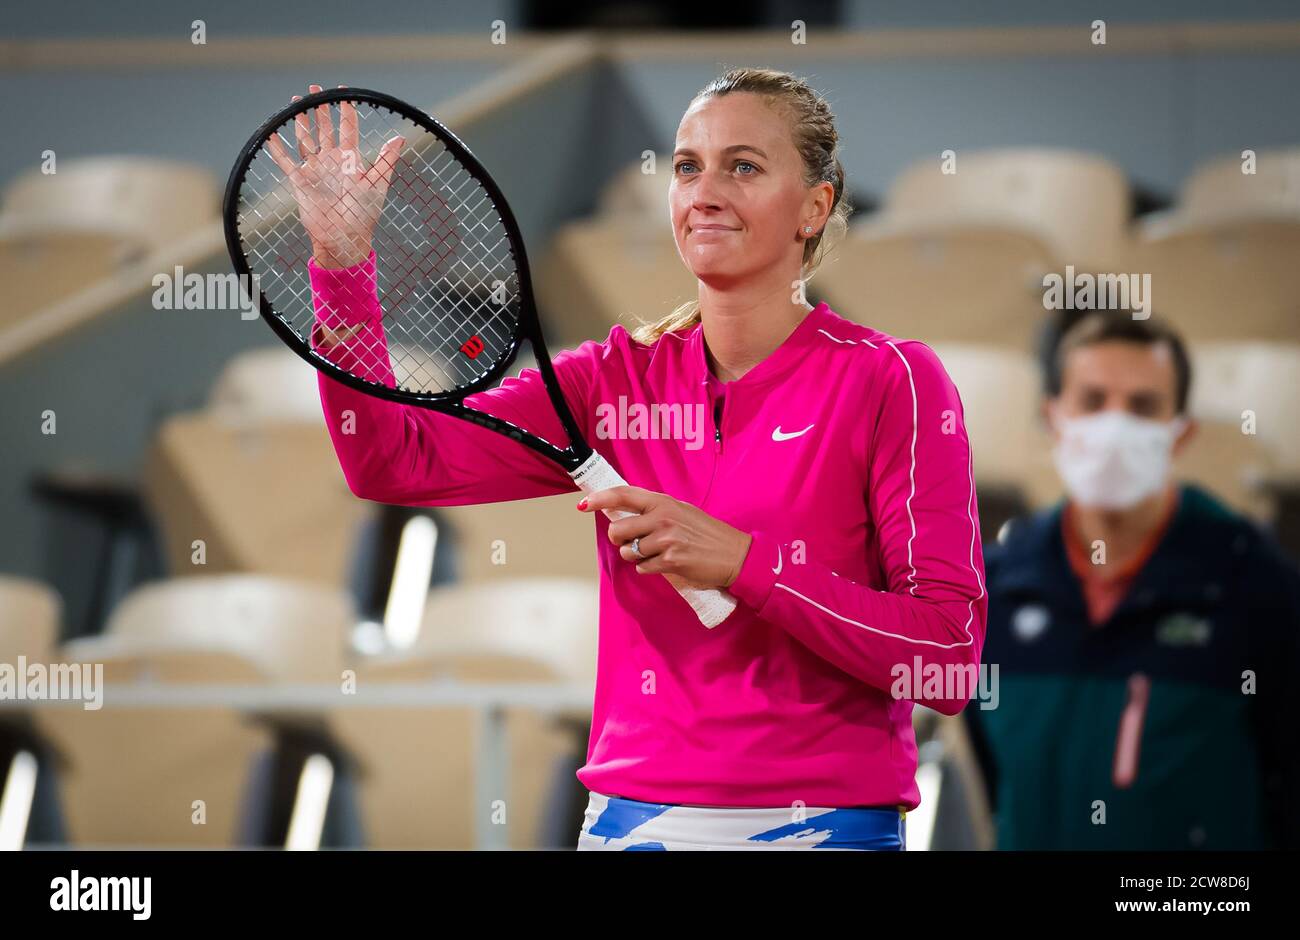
<point x="30" y="614"/>
<point x="157" y="200"/>
<point x="600" y="272"/>
<point x="638" y="195"/>
<point x="1001" y="396"/>
<point x="545" y="536"/>
<point x="132" y="774"/>
<point x="268" y="384"/>
<point x="968" y="287"/>
<point x="292" y="631"/>
<point x="1227" y="281"/>
<point x="1245" y="384"/>
<point x="265" y="497"/>
<point x="40" y="265"/>
<point x="418" y="765"/>
<point x="1076" y="203"/>
<point x="61" y="233"/>
<point x="1222" y="263"/>
<point x="29" y="619"/>
<point x="1220" y="189"/>
<point x="961" y="257"/>
<point x="548" y="621"/>
<point x="1231" y="465"/>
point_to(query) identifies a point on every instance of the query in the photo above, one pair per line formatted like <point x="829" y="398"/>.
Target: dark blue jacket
<point x="1202" y="656"/>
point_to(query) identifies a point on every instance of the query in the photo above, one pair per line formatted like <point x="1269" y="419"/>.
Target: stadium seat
<point x="29" y="619"/>
<point x="1222" y="263"/>
<point x="1076" y="203"/>
<point x="266" y="497"/>
<point x="291" y="631"/>
<point x="132" y="773"/>
<point x="30" y="614"/>
<point x="523" y="538"/>
<point x="525" y="630"/>
<point x="128" y="549"/>
<point x="546" y="620"/>
<point x="39" y="264"/>
<point x="637" y="195"/>
<point x="604" y="271"/>
<point x="1249" y="390"/>
<point x="152" y="199"/>
<point x="267" y="384"/>
<point x="1220" y="190"/>
<point x="1259" y="382"/>
<point x="961" y="257"/>
<point x="64" y="232"/>
<point x="1000" y="396"/>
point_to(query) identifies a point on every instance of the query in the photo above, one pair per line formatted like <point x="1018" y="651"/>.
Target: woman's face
<point x="737" y="198"/>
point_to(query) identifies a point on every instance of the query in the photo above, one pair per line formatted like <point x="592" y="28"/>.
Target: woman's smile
<point x="709" y="231"/>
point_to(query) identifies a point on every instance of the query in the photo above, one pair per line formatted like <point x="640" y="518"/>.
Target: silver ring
<point x="636" y="548"/>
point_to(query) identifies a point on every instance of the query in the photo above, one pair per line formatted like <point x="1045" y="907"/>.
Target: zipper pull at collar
<point x="717" y="425"/>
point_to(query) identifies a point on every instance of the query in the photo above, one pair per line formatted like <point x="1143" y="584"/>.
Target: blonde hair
<point x="815" y="137"/>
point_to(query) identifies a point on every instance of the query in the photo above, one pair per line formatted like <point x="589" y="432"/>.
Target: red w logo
<point x="472" y="346"/>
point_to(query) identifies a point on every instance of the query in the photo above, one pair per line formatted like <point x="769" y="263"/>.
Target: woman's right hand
<point x="339" y="198"/>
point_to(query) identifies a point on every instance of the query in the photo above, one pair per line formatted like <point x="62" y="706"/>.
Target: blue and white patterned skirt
<point x="619" y="824"/>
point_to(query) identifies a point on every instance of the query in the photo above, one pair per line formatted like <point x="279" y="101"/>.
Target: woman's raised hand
<point x="339" y="197"/>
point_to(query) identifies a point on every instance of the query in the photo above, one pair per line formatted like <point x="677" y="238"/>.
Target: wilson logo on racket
<point x="472" y="346"/>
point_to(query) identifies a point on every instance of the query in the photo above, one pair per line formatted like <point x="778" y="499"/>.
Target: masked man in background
<point x="1148" y="638"/>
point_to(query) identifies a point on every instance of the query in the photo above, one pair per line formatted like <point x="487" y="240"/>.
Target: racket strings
<point x="446" y="276"/>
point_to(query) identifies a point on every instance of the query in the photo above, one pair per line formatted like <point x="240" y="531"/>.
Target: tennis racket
<point x="451" y="272"/>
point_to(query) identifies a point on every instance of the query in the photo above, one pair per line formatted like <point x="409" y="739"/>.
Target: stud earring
<point x="807" y="229"/>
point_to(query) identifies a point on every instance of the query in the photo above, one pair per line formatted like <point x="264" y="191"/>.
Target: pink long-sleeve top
<point x="843" y="454"/>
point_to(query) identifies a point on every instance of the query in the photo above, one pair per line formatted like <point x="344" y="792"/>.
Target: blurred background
<point x="171" y="504"/>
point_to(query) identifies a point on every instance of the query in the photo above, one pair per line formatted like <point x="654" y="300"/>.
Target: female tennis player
<point x="834" y="498"/>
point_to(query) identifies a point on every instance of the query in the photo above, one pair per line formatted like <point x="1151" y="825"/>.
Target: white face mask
<point x="1114" y="460"/>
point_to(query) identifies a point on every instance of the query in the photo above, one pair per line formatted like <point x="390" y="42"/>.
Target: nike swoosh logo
<point x="777" y="569"/>
<point x="779" y="435"/>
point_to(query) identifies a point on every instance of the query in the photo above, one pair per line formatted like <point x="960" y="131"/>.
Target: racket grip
<point x="711" y="605"/>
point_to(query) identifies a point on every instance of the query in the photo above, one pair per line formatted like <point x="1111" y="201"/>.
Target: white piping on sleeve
<point x="970" y="498"/>
<point x="911" y="473"/>
<point x="970" y="640"/>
